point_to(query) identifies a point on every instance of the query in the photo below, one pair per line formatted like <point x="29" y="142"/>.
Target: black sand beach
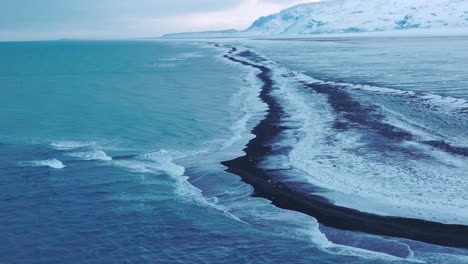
<point x="304" y="198"/>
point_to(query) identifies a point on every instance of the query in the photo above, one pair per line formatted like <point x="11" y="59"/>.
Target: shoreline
<point x="291" y="196"/>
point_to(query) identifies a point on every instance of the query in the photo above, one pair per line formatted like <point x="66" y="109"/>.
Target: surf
<point x="272" y="182"/>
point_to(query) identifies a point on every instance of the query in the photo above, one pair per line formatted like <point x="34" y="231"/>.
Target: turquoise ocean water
<point x="88" y="134"/>
<point x="110" y="152"/>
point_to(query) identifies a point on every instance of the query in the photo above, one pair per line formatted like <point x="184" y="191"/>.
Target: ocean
<point x="219" y="151"/>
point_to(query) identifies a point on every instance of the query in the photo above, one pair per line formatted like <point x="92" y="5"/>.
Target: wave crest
<point x="52" y="163"/>
<point x="91" y="155"/>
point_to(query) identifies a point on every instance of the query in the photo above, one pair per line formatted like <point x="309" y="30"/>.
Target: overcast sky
<point x="52" y="19"/>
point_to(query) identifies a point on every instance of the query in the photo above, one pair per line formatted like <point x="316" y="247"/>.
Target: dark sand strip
<point x="294" y="197"/>
<point x="355" y="114"/>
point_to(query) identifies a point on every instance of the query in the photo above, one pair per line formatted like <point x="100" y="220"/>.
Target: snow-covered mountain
<point x="343" y="16"/>
<point x="349" y="16"/>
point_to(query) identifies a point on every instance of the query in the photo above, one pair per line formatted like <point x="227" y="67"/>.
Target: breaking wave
<point x="162" y="163"/>
<point x="91" y="155"/>
<point x="52" y="163"/>
<point x="71" y="145"/>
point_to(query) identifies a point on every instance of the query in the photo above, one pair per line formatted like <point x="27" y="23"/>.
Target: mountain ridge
<point x="353" y="16"/>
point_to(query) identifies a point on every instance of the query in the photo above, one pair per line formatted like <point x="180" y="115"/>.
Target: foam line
<point x="297" y="196"/>
<point x="52" y="163"/>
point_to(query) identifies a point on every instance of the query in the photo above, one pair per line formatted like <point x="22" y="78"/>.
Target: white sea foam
<point x="250" y="107"/>
<point x="430" y="188"/>
<point x="313" y="117"/>
<point x="164" y="65"/>
<point x="446" y="103"/>
<point x="259" y="212"/>
<point x="183" y="57"/>
<point x="162" y="162"/>
<point x="366" y="254"/>
<point x="190" y="55"/>
<point x="91" y="155"/>
<point x="313" y="111"/>
<point x="172" y="59"/>
<point x="86" y="150"/>
<point x="279" y="221"/>
<point x="52" y="163"/>
<point x="442" y="258"/>
<point x="71" y="145"/>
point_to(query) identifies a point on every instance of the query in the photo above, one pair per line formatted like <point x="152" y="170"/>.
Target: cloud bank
<point x="52" y="19"/>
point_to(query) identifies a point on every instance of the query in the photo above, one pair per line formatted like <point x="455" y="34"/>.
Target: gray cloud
<point x="27" y="13"/>
<point x="96" y="18"/>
